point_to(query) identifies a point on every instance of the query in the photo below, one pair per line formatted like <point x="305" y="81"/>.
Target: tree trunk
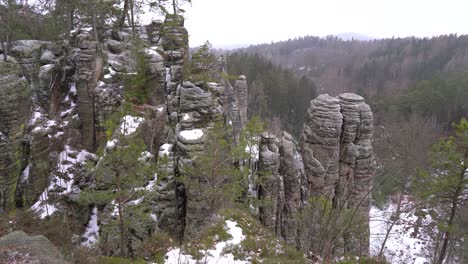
<point x="124" y="14"/>
<point x="95" y="27"/>
<point x="69" y="12"/>
<point x="453" y="210"/>
<point x="122" y="229"/>
<point x="174" y="7"/>
<point x="132" y="18"/>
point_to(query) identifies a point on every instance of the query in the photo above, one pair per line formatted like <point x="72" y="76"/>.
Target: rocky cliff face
<point x="335" y="161"/>
<point x="337" y="154"/>
<point x="56" y="102"/>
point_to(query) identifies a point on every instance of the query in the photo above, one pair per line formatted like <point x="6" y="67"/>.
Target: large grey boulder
<point x="18" y="247"/>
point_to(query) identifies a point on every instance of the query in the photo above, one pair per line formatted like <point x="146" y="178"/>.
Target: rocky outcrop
<point x="271" y="190"/>
<point x="291" y="169"/>
<point x="241" y="91"/>
<point x="89" y="70"/>
<point x="18" y="247"/>
<point x="321" y="142"/>
<point x="338" y="157"/>
<point x="14" y="112"/>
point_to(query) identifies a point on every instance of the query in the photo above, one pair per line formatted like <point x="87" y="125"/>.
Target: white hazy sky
<point x="231" y="22"/>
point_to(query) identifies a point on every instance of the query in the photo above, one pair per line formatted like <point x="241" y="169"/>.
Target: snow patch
<point x="401" y="246"/>
<point x="145" y="156"/>
<point x="36" y="116"/>
<point x="111" y="144"/>
<point x="92" y="230"/>
<point x="168" y="74"/>
<point x="25" y="175"/>
<point x="165" y="150"/>
<point x="111" y="73"/>
<point x="212" y="256"/>
<point x="62" y="179"/>
<point x="192" y="134"/>
<point x="186" y="117"/>
<point x="130" y="124"/>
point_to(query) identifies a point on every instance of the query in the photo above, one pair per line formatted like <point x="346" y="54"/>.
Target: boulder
<point x="18" y="247"/>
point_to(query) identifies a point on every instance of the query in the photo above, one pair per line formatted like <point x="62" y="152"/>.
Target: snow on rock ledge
<point x="192" y="136"/>
<point x="165" y="150"/>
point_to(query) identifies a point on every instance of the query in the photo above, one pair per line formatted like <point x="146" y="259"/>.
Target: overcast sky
<point x="231" y="22"/>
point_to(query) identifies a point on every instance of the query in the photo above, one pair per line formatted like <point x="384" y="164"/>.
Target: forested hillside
<point x="378" y="67"/>
<point x="275" y="94"/>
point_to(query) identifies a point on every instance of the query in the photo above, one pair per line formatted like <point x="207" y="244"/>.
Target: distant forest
<point x="275" y="94"/>
<point x="425" y="76"/>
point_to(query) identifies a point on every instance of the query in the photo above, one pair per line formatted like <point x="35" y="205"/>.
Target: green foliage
<point x="441" y="98"/>
<point x="203" y="64"/>
<point x="273" y="92"/>
<point x="155" y="247"/>
<point x="138" y="85"/>
<point x="444" y="187"/>
<point x="61" y="237"/>
<point x="117" y="260"/>
<point x="448" y="162"/>
<point x="361" y="260"/>
<point x="259" y="244"/>
<point x="326" y="225"/>
<point x="211" y="176"/>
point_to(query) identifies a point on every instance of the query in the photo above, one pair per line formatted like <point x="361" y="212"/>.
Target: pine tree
<point x="121" y="171"/>
<point x="444" y="187"/>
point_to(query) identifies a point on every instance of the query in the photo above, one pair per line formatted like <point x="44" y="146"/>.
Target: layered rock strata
<point x="338" y="157"/>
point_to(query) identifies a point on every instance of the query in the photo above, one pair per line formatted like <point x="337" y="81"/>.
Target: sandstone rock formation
<point x="14" y="111"/>
<point x="338" y="157"/>
<point x="271" y="191"/>
<point x="241" y="91"/>
<point x="291" y="169"/>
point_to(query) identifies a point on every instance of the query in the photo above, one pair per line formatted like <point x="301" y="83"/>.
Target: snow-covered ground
<point x="92" y="229"/>
<point x="212" y="256"/>
<point x="403" y="245"/>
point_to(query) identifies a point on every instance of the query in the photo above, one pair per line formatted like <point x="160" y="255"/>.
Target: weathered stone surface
<point x="338" y="157"/>
<point x="321" y="141"/>
<point x="48" y="57"/>
<point x="31" y="249"/>
<point x="175" y="40"/>
<point x="271" y="191"/>
<point x="90" y="65"/>
<point x="14" y="112"/>
<point x="241" y="91"/>
<point x="291" y="169"/>
<point x="28" y="53"/>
